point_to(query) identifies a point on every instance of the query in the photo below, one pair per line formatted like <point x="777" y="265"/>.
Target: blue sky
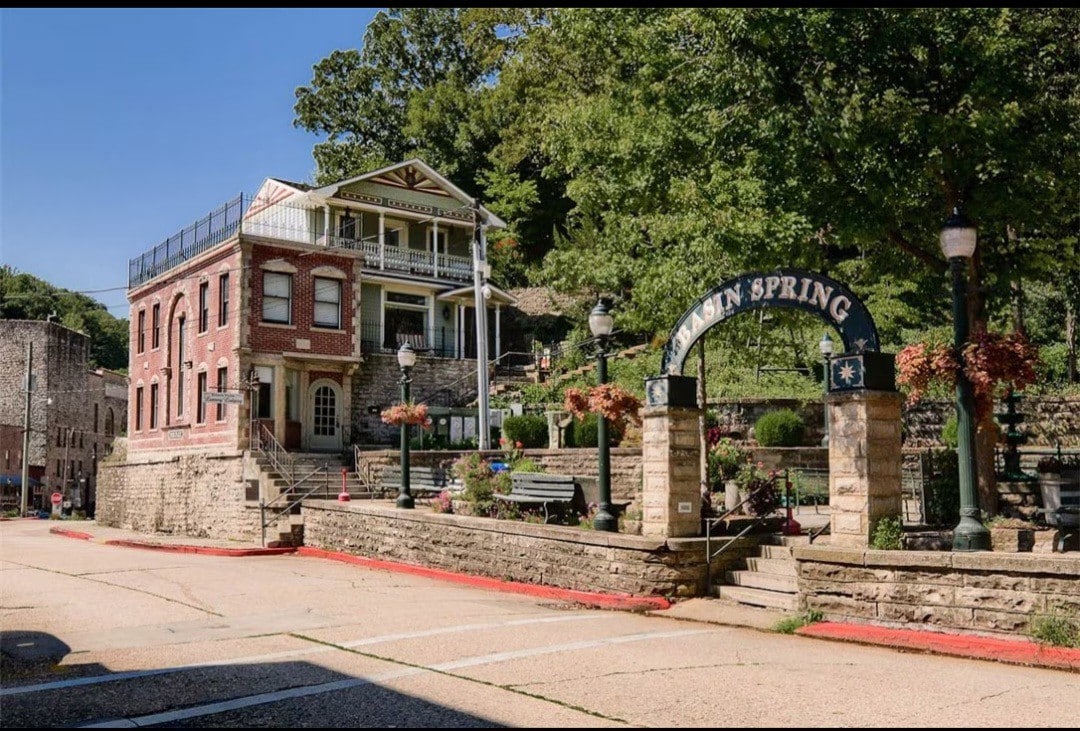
<point x="119" y="127"/>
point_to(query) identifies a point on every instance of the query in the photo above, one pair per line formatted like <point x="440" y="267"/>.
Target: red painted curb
<point x="204" y="550"/>
<point x="68" y="533"/>
<point x="1021" y="652"/>
<point x="606" y="601"/>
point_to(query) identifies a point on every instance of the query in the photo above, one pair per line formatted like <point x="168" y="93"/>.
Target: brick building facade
<point x="75" y="412"/>
<point x="295" y="300"/>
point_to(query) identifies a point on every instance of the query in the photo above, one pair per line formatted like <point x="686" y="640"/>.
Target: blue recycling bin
<point x="500" y="467"/>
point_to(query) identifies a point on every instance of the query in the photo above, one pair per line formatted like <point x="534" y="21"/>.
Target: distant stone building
<point x="75" y="413"/>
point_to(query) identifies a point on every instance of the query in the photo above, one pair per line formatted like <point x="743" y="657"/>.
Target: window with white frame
<point x="277" y="297"/>
<point x="327" y="302"/>
<point x="405" y="317"/>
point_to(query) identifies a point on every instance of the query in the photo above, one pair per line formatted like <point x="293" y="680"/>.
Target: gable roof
<point x="405" y="174"/>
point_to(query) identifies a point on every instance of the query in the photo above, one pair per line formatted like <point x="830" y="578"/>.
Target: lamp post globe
<point x="406" y="358"/>
<point x="958" y="239"/>
<point x="601" y="323"/>
<point x="825" y="345"/>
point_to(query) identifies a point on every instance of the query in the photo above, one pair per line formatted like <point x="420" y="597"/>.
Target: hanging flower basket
<point x="614" y="403"/>
<point x="407" y="413"/>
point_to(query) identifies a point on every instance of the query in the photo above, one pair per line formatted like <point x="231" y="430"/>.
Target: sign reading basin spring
<point x="794" y="288"/>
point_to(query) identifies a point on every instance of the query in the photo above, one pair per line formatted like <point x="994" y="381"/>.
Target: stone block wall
<point x="549" y="555"/>
<point x="984" y="591"/>
<point x="1049" y="420"/>
<point x="196" y="495"/>
<point x="375" y="386"/>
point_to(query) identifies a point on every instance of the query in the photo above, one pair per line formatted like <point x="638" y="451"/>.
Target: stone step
<point x="758" y="597"/>
<point x="761" y="580"/>
<point x="781" y="552"/>
<point x="778" y="540"/>
<point x="778" y="566"/>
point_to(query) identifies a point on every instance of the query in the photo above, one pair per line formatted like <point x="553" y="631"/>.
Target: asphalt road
<point x="97" y="635"/>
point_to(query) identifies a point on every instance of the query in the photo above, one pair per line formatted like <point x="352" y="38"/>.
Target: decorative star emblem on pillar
<point x="847" y="372"/>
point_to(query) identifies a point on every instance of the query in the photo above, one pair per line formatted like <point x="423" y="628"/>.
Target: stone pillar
<point x="671" y="496"/>
<point x="864" y="463"/>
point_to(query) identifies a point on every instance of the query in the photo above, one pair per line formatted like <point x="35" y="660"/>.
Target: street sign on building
<point x="222" y="397"/>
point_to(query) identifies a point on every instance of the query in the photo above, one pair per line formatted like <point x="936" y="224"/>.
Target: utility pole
<point x="480" y="273"/>
<point x="26" y="431"/>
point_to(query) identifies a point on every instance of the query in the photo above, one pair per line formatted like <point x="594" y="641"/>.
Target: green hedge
<point x="782" y="428"/>
<point x="949" y="432"/>
<point x="531" y="430"/>
<point x="582" y="433"/>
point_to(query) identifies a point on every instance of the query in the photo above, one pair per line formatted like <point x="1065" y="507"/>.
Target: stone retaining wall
<point x="984" y="591"/>
<point x="184" y="494"/>
<point x="549" y="555"/>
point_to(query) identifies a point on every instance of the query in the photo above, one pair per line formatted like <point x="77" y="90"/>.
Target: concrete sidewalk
<point x="1015" y="650"/>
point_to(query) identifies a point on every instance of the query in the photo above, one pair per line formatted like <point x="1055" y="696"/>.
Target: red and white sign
<point x="57" y="498"/>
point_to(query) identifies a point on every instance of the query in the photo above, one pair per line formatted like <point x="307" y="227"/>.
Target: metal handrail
<point x="365" y="473"/>
<point x="264" y="505"/>
<point x="713" y="522"/>
<point x="271" y="448"/>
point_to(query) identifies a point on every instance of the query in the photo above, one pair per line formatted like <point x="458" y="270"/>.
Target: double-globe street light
<point x="825" y="345"/>
<point x="600" y="323"/>
<point x="406" y="358"/>
<point x="958" y="239"/>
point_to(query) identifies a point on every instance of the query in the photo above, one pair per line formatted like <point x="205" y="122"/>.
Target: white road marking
<point x="303" y="692"/>
<point x="270" y="657"/>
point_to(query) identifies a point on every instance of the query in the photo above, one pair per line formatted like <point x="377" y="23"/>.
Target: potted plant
<point x="725" y="459"/>
<point x="1050" y="484"/>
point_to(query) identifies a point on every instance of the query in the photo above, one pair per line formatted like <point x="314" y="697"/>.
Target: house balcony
<point x="247" y="216"/>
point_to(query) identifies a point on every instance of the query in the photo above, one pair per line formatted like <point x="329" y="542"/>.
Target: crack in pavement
<point x="639" y="671"/>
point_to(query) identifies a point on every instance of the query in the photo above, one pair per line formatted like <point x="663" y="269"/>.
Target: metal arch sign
<point x="793" y="288"/>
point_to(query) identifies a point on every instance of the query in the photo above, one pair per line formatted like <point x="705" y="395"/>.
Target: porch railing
<point x="435" y="342"/>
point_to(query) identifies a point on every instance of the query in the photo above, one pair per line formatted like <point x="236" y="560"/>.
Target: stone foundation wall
<point x="549" y="555"/>
<point x="985" y="591"/>
<point x="183" y="494"/>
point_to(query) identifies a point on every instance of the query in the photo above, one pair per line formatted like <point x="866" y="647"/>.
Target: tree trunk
<point x="706" y="493"/>
<point x="1016" y="294"/>
<point x="986" y="428"/>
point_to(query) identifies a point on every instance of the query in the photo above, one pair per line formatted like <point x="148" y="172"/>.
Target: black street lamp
<point x="406" y="358"/>
<point x="825" y="345"/>
<point x="958" y="239"/>
<point x="600" y="323"/>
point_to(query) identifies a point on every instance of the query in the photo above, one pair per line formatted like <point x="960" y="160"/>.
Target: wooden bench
<point x="422" y="480"/>
<point x="548" y="491"/>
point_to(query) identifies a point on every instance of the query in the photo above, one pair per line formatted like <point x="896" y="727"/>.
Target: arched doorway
<point x="324" y="418"/>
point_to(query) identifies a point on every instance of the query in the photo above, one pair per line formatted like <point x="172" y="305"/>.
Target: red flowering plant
<point x="407" y="413"/>
<point x="614" y="403"/>
<point x="995" y="364"/>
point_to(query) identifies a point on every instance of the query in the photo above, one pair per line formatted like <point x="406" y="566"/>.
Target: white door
<point x="324" y="417"/>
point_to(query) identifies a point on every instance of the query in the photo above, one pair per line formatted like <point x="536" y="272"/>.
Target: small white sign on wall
<point x="686" y="508"/>
<point x="455" y="428"/>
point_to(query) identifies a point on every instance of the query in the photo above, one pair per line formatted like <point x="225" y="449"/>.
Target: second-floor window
<point x="327" y="302"/>
<point x="155" y="325"/>
<point x="153" y="405"/>
<point x="222" y="383"/>
<point x="181" y="336"/>
<point x="204" y="306"/>
<point x="200" y="407"/>
<point x="277" y="297"/>
<point x="348" y="226"/>
<point x="138" y="408"/>
<point x="223" y="300"/>
<point x="141" y="337"/>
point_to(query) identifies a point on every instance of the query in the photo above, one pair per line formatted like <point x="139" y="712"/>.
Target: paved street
<point x="99" y="635"/>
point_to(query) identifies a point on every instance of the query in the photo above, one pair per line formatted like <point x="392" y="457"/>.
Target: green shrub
<point x="949" y="432"/>
<point x="1056" y="629"/>
<point x="526" y="464"/>
<point x="783" y="428"/>
<point x="582" y="433"/>
<point x="788" y="625"/>
<point x="888" y="534"/>
<point x="531" y="430"/>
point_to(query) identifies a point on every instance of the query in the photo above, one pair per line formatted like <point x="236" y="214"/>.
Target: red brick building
<point x="296" y="300"/>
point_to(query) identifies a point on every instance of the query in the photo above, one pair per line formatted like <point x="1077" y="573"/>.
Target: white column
<point x="382" y="240"/>
<point x="435" y="246"/>
<point x="481" y="342"/>
<point x="460" y="331"/>
<point x="326" y="224"/>
<point x="498" y="330"/>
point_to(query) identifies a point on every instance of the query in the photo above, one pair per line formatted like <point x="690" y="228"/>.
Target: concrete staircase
<point x="769" y="579"/>
<point x="289" y="528"/>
